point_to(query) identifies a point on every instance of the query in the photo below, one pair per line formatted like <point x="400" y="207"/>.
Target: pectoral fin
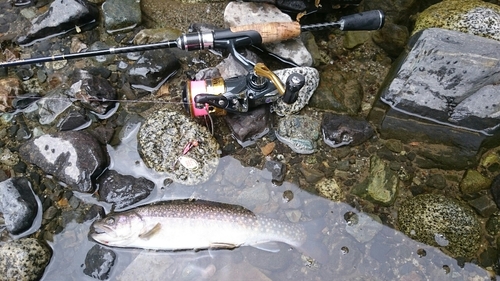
<point x="272" y="247"/>
<point x="151" y="232"/>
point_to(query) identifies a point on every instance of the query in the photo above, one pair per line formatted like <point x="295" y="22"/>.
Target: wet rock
<point x="25" y="100"/>
<point x="254" y="195"/>
<point x="94" y="92"/>
<point x="495" y="190"/>
<point x="9" y="89"/>
<point x="52" y="105"/>
<point x="122" y="190"/>
<point x="75" y="158"/>
<point x="17" y="204"/>
<point x="311" y="76"/>
<point x="329" y="188"/>
<point x="241" y="13"/>
<point x="74" y="120"/>
<point x="152" y="70"/>
<point x="473" y="17"/>
<point x="484" y="206"/>
<point x="442" y="222"/>
<point x="338" y="91"/>
<point x="162" y="139"/>
<point x="363" y="227"/>
<point x="437" y="181"/>
<point x="62" y="17"/>
<point x="381" y="185"/>
<point x="340" y="130"/>
<point x="299" y="133"/>
<point x="23" y="259"/>
<point x="473" y="181"/>
<point x="442" y="94"/>
<point x="392" y="38"/>
<point x="121" y="15"/>
<point x="277" y="169"/>
<point x="249" y="127"/>
<point x="311" y="173"/>
<point x="98" y="262"/>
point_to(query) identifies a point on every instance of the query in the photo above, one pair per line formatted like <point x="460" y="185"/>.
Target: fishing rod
<point x="240" y="36"/>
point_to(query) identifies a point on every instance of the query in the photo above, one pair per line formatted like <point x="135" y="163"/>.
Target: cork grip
<point x="272" y="31"/>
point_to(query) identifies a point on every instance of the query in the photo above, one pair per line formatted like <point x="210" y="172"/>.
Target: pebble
<point x="18" y="205"/>
<point x="299" y="133"/>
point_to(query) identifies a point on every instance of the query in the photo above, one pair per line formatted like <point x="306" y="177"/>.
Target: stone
<point x="249" y="126"/>
<point x="151" y="70"/>
<point x="162" y="139"/>
<point x="437" y="181"/>
<point x="73" y="157"/>
<point x="470" y="16"/>
<point x="484" y="206"/>
<point x="121" y="15"/>
<point x="254" y="195"/>
<point x="339" y="130"/>
<point x="277" y="169"/>
<point x="60" y="18"/>
<point x="18" y="205"/>
<point x="244" y="13"/>
<point x="443" y="93"/>
<point x="122" y="190"/>
<point x="363" y="227"/>
<point x="381" y="185"/>
<point x="495" y="190"/>
<point x="473" y="181"/>
<point x="95" y="93"/>
<point x="442" y="222"/>
<point x="23" y="259"/>
<point x="10" y="88"/>
<point x="329" y="188"/>
<point x="98" y="262"/>
<point x="299" y="133"/>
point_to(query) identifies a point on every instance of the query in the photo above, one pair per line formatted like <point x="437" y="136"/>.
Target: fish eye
<point x="110" y="221"/>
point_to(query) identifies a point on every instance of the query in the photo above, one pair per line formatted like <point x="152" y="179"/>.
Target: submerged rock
<point x="339" y="130"/>
<point x="122" y="190"/>
<point x="62" y="17"/>
<point x="94" y="92"/>
<point x="24" y="259"/>
<point x="381" y="186"/>
<point x="442" y="222"/>
<point x="98" y="262"/>
<point x="163" y="140"/>
<point x="10" y="88"/>
<point x="299" y="133"/>
<point x="75" y="158"/>
<point x="17" y="204"/>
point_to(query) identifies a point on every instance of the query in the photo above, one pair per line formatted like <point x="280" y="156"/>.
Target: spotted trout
<point x="194" y="225"/>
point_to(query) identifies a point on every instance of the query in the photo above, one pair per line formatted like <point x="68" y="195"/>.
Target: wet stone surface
<point x="17" y="204"/>
<point x="23" y="259"/>
<point x="163" y="141"/>
<point x="299" y="133"/>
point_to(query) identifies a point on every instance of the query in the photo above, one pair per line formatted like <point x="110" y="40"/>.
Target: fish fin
<point x="222" y="245"/>
<point x="272" y="247"/>
<point x="148" y="234"/>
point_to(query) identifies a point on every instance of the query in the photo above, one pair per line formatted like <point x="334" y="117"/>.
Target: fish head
<point x="119" y="230"/>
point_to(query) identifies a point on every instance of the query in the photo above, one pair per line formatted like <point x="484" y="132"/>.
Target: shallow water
<point x="382" y="253"/>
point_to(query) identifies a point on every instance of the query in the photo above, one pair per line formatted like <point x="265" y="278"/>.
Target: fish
<point x="178" y="225"/>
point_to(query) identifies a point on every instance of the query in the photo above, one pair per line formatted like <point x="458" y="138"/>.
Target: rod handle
<point x="369" y="20"/>
<point x="272" y="31"/>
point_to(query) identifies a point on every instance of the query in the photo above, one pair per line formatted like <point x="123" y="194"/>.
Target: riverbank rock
<point x="443" y="93"/>
<point x="75" y="158"/>
<point x="121" y="15"/>
<point x="163" y="141"/>
<point x="442" y="222"/>
<point x="469" y="16"/>
<point x="23" y="259"/>
<point x="339" y="130"/>
<point x="122" y="190"/>
<point x="60" y="18"/>
<point x="17" y="204"/>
